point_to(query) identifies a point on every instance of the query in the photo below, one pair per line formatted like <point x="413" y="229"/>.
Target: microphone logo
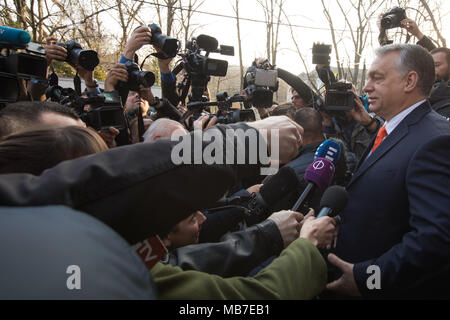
<point x="318" y="165"/>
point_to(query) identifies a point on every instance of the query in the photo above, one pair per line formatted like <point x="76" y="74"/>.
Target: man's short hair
<point x="285" y="109"/>
<point x="311" y="121"/>
<point x="26" y="113"/>
<point x="446" y="51"/>
<point x="413" y="58"/>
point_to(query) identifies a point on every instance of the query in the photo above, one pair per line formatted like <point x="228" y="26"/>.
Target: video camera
<point x="261" y="81"/>
<point x="393" y="18"/>
<point x="103" y="111"/>
<point x="15" y="64"/>
<point x="225" y="114"/>
<point x="199" y="68"/>
<point x="337" y="97"/>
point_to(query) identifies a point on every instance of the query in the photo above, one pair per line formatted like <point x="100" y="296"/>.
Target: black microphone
<point x="333" y="201"/>
<point x="272" y="191"/>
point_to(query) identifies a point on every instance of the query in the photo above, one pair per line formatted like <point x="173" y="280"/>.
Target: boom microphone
<point x="333" y="201"/>
<point x="318" y="174"/>
<point x="329" y="149"/>
<point x="273" y="190"/>
<point x="14" y="36"/>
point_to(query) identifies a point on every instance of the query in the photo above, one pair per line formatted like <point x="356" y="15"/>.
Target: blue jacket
<point x="398" y="215"/>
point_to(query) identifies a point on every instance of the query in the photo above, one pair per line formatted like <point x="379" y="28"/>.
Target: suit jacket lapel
<point x="390" y="141"/>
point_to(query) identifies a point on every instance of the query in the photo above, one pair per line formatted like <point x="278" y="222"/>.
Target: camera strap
<point x="53" y="79"/>
<point x="77" y="84"/>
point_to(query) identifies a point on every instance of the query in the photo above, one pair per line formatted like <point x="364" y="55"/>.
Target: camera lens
<point x="146" y="78"/>
<point x="88" y="59"/>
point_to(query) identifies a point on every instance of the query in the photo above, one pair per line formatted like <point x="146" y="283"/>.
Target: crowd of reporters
<point x="230" y="232"/>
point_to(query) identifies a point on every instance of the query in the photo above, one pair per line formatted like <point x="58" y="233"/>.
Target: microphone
<point x="318" y="174"/>
<point x="333" y="201"/>
<point x="329" y="149"/>
<point x="14" y="36"/>
<point x="273" y="190"/>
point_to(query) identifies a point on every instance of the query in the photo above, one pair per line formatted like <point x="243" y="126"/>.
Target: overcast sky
<point x="308" y="13"/>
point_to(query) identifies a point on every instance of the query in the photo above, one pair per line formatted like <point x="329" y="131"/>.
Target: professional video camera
<point x="199" y="68"/>
<point x="337" y="97"/>
<point x="393" y="18"/>
<point x="261" y="81"/>
<point x="99" y="111"/>
<point x="15" y="64"/>
<point x="225" y="113"/>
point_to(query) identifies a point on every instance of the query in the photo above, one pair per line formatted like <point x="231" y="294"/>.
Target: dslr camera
<point x="337" y="96"/>
<point x="168" y="45"/>
<point x="136" y="77"/>
<point x="393" y="18"/>
<point x="88" y="59"/>
<point x="261" y="81"/>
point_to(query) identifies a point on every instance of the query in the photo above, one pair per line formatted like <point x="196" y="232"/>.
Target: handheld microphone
<point x="333" y="201"/>
<point x="14" y="36"/>
<point x="329" y="149"/>
<point x="273" y="190"/>
<point x="318" y="174"/>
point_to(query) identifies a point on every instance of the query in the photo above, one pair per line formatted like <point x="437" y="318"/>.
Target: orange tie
<point x="380" y="137"/>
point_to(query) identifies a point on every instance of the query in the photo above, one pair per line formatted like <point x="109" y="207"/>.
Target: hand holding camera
<point x="411" y="26"/>
<point x="117" y="73"/>
<point x="140" y="37"/>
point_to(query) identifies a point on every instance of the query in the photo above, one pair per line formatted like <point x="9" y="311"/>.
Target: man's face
<point x="56" y="119"/>
<point x="297" y="100"/>
<point x="187" y="231"/>
<point x="441" y="66"/>
<point x="385" y="86"/>
<point x="134" y="101"/>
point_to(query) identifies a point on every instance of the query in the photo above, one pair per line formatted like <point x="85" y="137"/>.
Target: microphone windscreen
<point x="329" y="149"/>
<point x="207" y="43"/>
<point x="335" y="197"/>
<point x="280" y="184"/>
<point x="320" y="172"/>
<point x="14" y="36"/>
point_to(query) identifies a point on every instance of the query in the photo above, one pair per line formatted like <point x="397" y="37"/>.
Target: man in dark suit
<point x="394" y="240"/>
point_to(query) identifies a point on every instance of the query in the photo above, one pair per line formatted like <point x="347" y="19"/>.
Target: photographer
<point x="165" y="108"/>
<point x="56" y="52"/>
<point x="440" y="95"/>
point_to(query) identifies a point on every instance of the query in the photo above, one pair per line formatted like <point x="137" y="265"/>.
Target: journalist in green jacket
<point x="300" y="272"/>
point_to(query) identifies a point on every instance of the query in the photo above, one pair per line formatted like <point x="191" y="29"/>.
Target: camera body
<point x="261" y="82"/>
<point x="168" y="45"/>
<point x="337" y="95"/>
<point x="229" y="115"/>
<point x="103" y="111"/>
<point x="199" y="68"/>
<point x="393" y="18"/>
<point x="196" y="63"/>
<point x="76" y="55"/>
<point x="136" y="77"/>
<point x="15" y="65"/>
